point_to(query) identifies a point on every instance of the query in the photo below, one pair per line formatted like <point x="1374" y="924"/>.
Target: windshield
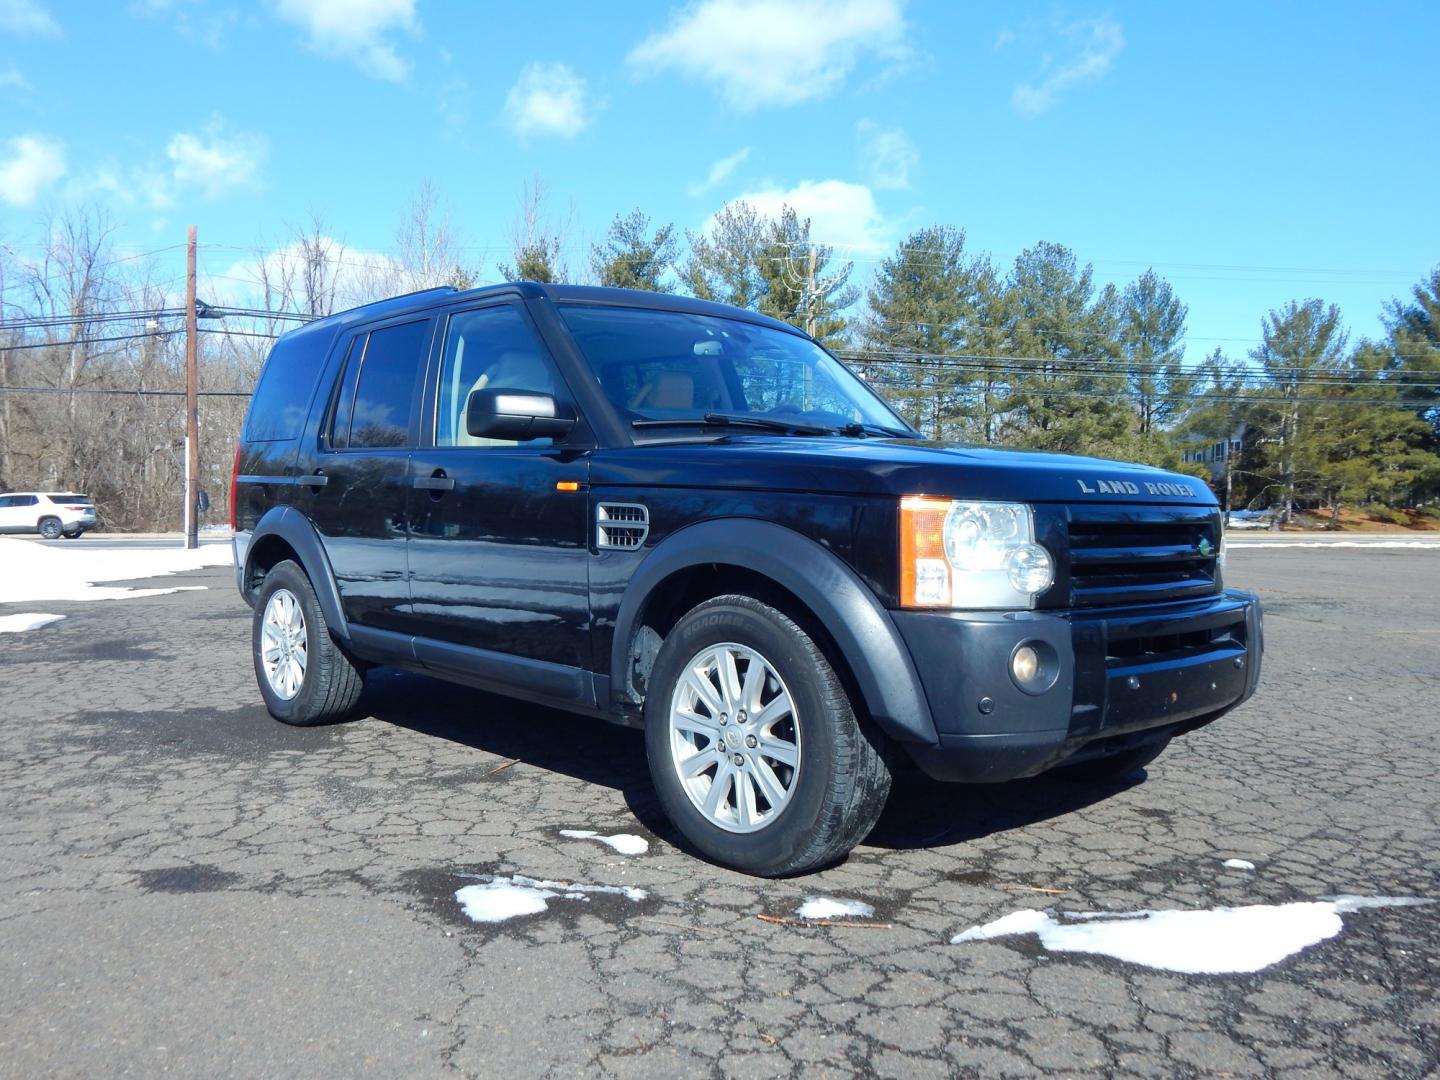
<point x="675" y="366"/>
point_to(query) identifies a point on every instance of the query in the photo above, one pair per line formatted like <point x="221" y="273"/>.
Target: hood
<point x="893" y="467"/>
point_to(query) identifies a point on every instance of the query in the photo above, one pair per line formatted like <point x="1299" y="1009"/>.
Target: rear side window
<point x="71" y="500"/>
<point x="282" y="398"/>
<point x="385" y="390"/>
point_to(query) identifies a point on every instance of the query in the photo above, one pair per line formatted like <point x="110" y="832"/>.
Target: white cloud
<point x="11" y="78"/>
<point x="359" y="30"/>
<point x="841" y="214"/>
<point x="216" y="162"/>
<point x="34" y="163"/>
<point x="547" y="99"/>
<point x="887" y="155"/>
<point x="29" y="18"/>
<point x="721" y="171"/>
<point x="358" y="276"/>
<point x="1099" y="42"/>
<point x="773" y="52"/>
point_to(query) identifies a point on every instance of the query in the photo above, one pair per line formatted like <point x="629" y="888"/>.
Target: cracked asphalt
<point x="187" y="887"/>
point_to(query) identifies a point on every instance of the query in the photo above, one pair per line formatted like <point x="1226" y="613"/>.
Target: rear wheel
<point x="755" y="751"/>
<point x="1115" y="767"/>
<point x="304" y="676"/>
<point x="50" y="528"/>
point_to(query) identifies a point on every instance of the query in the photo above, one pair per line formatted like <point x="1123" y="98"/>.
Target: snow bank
<point x="496" y="899"/>
<point x="624" y="843"/>
<point x="1221" y="941"/>
<point x="830" y="907"/>
<point x="32" y="572"/>
<point x="18" y="624"/>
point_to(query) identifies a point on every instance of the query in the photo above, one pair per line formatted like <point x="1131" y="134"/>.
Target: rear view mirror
<point x="516" y="414"/>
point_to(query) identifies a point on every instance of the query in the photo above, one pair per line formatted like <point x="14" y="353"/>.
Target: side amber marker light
<point x="567" y="485"/>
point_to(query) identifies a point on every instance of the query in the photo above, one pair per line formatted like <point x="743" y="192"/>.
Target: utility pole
<point x="810" y="294"/>
<point x="192" y="403"/>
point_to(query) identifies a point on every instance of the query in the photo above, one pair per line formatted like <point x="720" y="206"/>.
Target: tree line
<point x="1035" y="354"/>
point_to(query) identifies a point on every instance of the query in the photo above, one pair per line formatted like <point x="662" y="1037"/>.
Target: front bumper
<point x="1121" y="677"/>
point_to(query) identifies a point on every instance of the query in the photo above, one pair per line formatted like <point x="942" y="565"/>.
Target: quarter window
<point x="380" y="416"/>
<point x="488" y="348"/>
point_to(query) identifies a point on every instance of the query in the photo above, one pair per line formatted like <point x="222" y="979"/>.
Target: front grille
<point x="1142" y="554"/>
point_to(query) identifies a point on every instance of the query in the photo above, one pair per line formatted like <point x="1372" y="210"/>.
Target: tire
<point x="770" y="816"/>
<point x="49" y="528"/>
<point x="1105" y="770"/>
<point x="73" y="535"/>
<point x="304" y="676"/>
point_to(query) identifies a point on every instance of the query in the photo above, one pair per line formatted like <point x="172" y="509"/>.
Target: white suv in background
<point x="51" y="514"/>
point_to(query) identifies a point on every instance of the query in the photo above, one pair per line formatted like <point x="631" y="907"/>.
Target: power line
<point x="106" y="391"/>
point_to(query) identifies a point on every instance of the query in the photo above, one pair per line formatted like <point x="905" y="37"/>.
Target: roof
<point x="586" y="294"/>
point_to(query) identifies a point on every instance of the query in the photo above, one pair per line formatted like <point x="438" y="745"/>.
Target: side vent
<point x="622" y="526"/>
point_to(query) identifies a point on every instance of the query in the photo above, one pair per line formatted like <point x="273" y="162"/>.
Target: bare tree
<point x="535" y="245"/>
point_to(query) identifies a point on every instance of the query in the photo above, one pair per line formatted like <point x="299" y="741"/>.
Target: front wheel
<point x="756" y="754"/>
<point x="303" y="674"/>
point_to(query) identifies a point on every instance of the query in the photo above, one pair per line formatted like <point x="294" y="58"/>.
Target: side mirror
<point x="516" y="414"/>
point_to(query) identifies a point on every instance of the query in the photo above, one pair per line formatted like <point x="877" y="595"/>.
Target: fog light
<point x="1025" y="665"/>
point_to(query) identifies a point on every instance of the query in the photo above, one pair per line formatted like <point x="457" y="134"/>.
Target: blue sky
<point x="1251" y="153"/>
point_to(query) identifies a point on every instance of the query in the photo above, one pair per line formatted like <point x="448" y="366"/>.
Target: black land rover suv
<point x="692" y="519"/>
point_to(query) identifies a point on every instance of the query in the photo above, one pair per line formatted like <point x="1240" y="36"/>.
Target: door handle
<point x="317" y="479"/>
<point x="436" y="481"/>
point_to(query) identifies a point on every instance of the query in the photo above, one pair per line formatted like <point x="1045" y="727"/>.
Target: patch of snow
<point x="496" y="899"/>
<point x="32" y="572"/>
<point x="1221" y="941"/>
<point x="18" y="624"/>
<point x="1238" y="864"/>
<point x="829" y="907"/>
<point x="624" y="843"/>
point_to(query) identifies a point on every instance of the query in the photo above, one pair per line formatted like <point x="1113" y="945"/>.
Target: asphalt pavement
<point x="187" y="887"/>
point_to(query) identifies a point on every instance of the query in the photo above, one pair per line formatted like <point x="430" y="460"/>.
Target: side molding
<point x="288" y="524"/>
<point x="863" y="630"/>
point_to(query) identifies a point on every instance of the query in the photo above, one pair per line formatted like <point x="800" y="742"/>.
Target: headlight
<point x="970" y="555"/>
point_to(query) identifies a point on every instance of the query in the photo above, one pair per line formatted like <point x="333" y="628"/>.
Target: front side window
<point x="385" y="388"/>
<point x="669" y="365"/>
<point x="488" y="348"/>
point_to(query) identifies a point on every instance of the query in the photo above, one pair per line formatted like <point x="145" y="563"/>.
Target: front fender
<point x="287" y="524"/>
<point x="860" y="627"/>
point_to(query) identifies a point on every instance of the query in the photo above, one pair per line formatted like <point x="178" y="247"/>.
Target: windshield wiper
<point x="755" y="423"/>
<point x="857" y="430"/>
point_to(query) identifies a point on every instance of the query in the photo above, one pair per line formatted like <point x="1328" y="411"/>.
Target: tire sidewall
<point x="287" y="575"/>
<point x="783" y="646"/>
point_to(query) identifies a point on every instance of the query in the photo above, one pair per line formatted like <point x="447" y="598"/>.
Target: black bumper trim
<point x="990" y="731"/>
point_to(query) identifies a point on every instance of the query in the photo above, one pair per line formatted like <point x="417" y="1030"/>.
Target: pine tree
<point x="1068" y="394"/>
<point x="930" y="303"/>
<point x="1152" y="332"/>
<point x="633" y="257"/>
<point x="1301" y="344"/>
<point x="801" y="284"/>
<point x="724" y="264"/>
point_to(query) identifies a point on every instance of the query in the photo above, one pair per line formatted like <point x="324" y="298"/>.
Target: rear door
<point x="360" y="471"/>
<point x="499" y="532"/>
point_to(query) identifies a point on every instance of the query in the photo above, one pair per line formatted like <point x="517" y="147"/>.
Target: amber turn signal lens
<point x="567" y="485"/>
<point x="924" y="570"/>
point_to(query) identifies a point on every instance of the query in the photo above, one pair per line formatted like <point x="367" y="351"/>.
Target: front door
<point x="499" y="536"/>
<point x="361" y="471"/>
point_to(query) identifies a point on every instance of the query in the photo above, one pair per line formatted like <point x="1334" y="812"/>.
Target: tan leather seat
<point x="668" y="390"/>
